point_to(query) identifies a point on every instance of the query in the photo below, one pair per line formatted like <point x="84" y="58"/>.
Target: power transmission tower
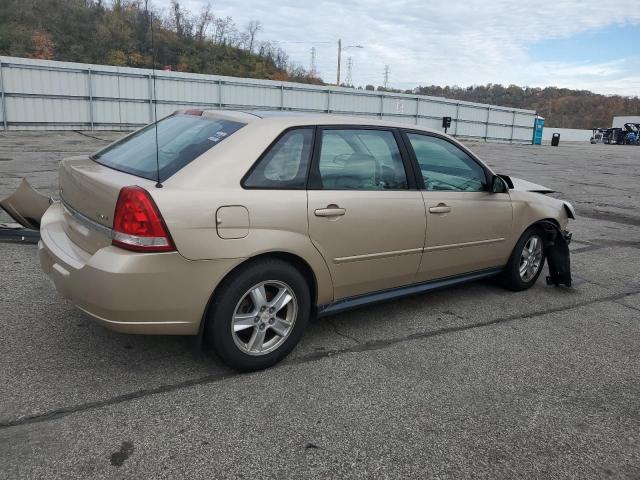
<point x="349" y="80"/>
<point x="386" y="77"/>
<point x="313" y="61"/>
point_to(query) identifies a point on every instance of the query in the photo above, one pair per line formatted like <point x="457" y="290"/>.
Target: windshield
<point x="181" y="139"/>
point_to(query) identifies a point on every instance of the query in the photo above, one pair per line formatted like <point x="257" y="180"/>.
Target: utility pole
<point x="349" y="80"/>
<point x="313" y="61"/>
<point x="386" y="77"/>
<point x="339" y="55"/>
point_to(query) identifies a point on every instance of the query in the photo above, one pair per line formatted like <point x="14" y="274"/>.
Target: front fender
<point x="530" y="208"/>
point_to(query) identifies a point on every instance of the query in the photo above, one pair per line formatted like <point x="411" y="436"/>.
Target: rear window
<point x="181" y="139"/>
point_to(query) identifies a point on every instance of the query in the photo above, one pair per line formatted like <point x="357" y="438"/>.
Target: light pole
<point x="340" y="48"/>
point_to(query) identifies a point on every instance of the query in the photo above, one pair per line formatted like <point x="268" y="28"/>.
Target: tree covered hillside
<point x="561" y="107"/>
<point x="118" y="33"/>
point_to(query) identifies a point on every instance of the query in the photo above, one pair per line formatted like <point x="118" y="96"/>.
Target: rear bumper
<point x="150" y="293"/>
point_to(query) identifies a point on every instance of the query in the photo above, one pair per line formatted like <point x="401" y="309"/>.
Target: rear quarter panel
<point x="277" y="223"/>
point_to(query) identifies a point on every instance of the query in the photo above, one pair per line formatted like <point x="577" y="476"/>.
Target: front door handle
<point x="440" y="208"/>
<point x="331" y="211"/>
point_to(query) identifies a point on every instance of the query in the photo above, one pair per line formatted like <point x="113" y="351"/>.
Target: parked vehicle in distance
<point x="264" y="219"/>
<point x="613" y="136"/>
<point x="597" y="135"/>
<point x="631" y="133"/>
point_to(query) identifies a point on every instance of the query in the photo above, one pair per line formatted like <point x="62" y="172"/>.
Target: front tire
<point x="526" y="261"/>
<point x="258" y="315"/>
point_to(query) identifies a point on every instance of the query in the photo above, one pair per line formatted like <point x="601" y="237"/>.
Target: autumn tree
<point x="43" y="46"/>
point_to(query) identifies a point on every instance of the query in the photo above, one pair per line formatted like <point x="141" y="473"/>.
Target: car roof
<point x="288" y="118"/>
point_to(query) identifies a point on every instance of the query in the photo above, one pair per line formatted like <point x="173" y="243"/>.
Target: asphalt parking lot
<point x="472" y="381"/>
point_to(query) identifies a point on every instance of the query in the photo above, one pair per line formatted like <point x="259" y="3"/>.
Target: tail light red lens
<point x="137" y="223"/>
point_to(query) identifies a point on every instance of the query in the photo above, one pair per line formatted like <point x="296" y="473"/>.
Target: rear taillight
<point x="137" y="223"/>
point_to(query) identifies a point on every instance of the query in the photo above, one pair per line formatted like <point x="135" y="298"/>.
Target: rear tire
<point x="526" y="262"/>
<point x="258" y="315"/>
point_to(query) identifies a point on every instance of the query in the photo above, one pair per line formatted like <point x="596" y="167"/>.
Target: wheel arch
<point x="540" y="223"/>
<point x="295" y="260"/>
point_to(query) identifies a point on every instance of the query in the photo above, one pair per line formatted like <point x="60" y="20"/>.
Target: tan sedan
<point x="240" y="226"/>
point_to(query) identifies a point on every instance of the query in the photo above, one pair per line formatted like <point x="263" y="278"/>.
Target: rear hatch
<point x="89" y="192"/>
<point x="90" y="186"/>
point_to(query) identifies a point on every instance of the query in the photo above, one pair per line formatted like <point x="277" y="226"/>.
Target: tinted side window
<point x="445" y="166"/>
<point x="285" y="163"/>
<point x="360" y="160"/>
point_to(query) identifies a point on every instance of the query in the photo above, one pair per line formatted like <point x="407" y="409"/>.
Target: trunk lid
<point x="89" y="191"/>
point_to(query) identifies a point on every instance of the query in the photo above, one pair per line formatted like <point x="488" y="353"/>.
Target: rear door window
<point x="180" y="140"/>
<point x="285" y="164"/>
<point x="360" y="159"/>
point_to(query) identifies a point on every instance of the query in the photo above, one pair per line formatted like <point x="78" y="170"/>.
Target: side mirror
<point x="507" y="180"/>
<point x="498" y="185"/>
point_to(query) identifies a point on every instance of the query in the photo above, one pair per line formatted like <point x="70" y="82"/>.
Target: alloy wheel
<point x="531" y="258"/>
<point x="264" y="317"/>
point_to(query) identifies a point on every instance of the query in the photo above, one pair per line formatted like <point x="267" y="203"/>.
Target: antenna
<point x="155" y="102"/>
<point x="386" y="76"/>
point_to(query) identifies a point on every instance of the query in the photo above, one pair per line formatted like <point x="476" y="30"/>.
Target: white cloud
<point x="445" y="43"/>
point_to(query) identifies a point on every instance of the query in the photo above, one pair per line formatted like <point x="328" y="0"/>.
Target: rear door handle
<point x="330" y="211"/>
<point x="440" y="208"/>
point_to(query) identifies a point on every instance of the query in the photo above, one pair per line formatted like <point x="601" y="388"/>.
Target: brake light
<point x="137" y="223"/>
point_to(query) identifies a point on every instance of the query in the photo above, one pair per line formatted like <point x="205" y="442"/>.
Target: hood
<point x="524" y="186"/>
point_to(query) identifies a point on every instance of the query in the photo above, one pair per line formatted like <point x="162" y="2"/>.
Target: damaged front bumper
<point x="556" y="245"/>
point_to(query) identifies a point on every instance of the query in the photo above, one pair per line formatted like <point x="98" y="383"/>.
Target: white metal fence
<point x="567" y="134"/>
<point x="42" y="94"/>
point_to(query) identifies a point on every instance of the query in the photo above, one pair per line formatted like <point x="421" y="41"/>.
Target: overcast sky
<point x="587" y="44"/>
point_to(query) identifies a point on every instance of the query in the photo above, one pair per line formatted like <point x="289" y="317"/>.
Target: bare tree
<point x="181" y="20"/>
<point x="253" y="27"/>
<point x="243" y="40"/>
<point x="176" y="17"/>
<point x="281" y="59"/>
<point x="267" y="49"/>
<point x="222" y="27"/>
<point x="203" y="21"/>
